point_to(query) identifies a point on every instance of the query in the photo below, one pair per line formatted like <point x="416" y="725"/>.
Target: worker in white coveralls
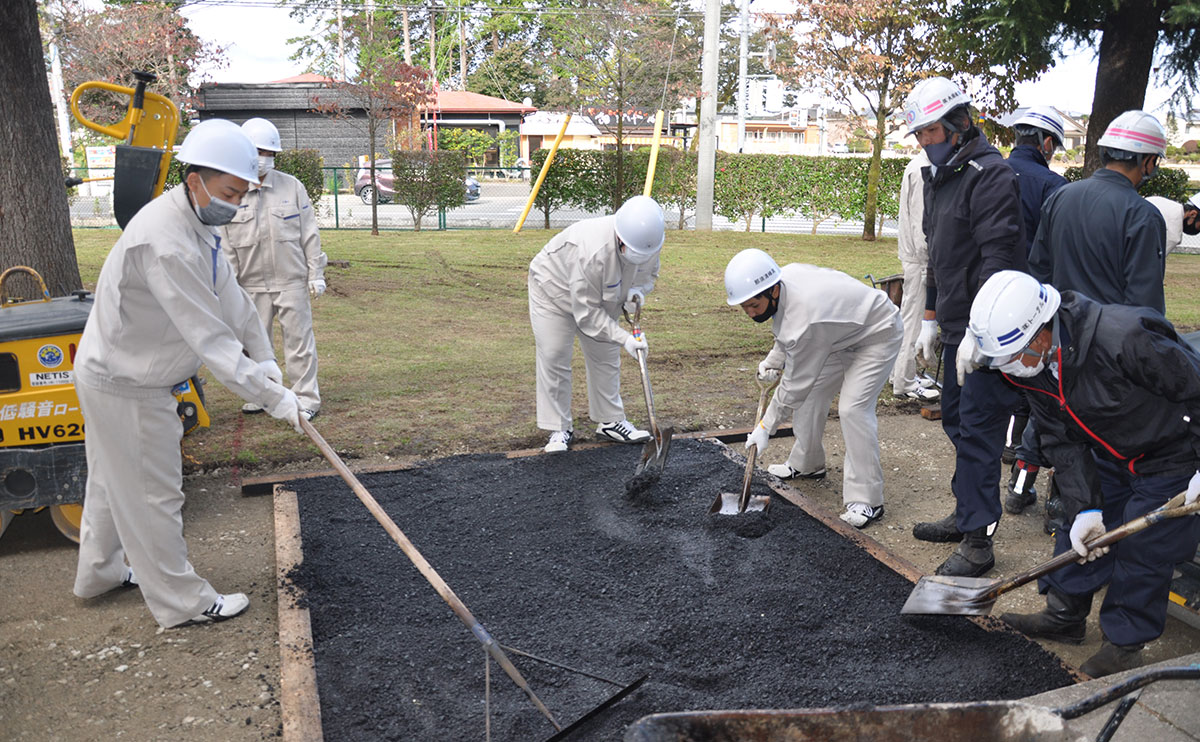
<point x="1181" y="218"/>
<point x="578" y="285"/>
<point x="834" y="335"/>
<point x="275" y="249"/>
<point x="914" y="259"/>
<point x="166" y="302"/>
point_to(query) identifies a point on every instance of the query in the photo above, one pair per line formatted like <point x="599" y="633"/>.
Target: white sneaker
<point x="924" y="394"/>
<point x="226" y="607"/>
<point x="560" y="441"/>
<point x="926" y="381"/>
<point x="860" y="514"/>
<point x="623" y="431"/>
<point x="130" y="579"/>
<point x="251" y="409"/>
<point x="783" y="471"/>
<point x="309" y="414"/>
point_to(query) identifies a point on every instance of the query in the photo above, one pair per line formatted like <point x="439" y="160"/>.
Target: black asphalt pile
<point x="761" y="610"/>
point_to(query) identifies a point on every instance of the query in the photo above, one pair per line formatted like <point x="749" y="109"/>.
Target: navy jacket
<point x="1125" y="383"/>
<point x="1036" y="181"/>
<point x="973" y="228"/>
<point x="1100" y="238"/>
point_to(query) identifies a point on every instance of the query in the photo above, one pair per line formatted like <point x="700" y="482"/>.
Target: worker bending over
<point x="1181" y="219"/>
<point x="1116" y="397"/>
<point x="166" y="302"/>
<point x="275" y="249"/>
<point x="834" y="335"/>
<point x="578" y="285"/>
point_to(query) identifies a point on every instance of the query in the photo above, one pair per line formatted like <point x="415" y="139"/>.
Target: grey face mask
<point x="217" y="213"/>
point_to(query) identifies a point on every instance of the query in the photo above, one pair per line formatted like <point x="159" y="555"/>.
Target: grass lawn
<point x="425" y="345"/>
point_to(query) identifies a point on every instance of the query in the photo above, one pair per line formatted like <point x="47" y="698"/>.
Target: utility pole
<point x="707" y="146"/>
<point x="432" y="43"/>
<point x="462" y="50"/>
<point x="742" y="93"/>
<point x="341" y="42"/>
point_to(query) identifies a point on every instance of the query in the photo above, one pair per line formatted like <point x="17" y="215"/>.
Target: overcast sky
<point x="256" y="45"/>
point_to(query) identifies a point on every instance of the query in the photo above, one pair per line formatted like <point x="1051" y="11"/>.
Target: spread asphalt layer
<point x="553" y="557"/>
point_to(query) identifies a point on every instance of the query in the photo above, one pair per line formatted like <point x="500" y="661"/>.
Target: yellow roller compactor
<point x="42" y="460"/>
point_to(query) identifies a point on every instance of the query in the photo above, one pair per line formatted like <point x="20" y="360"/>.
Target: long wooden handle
<point x="1173" y="508"/>
<point x="427" y="570"/>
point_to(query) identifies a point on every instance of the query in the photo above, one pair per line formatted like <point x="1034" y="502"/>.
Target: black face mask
<point x="769" y="312"/>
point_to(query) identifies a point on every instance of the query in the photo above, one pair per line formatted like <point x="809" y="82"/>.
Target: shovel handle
<point x="1173" y="508"/>
<point x="636" y="328"/>
<point x="752" y="451"/>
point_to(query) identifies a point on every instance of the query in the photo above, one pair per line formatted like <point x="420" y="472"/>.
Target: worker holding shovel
<point x="834" y="335"/>
<point x="1116" y="397"/>
<point x="578" y="285"/>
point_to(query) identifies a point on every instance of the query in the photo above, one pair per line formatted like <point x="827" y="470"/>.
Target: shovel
<point x="975" y="596"/>
<point x="654" y="453"/>
<point x="736" y="503"/>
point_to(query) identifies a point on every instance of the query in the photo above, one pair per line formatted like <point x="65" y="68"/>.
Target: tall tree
<point x="108" y="43"/>
<point x="35" y="224"/>
<point x="616" y="56"/>
<point x="866" y="54"/>
<point x="384" y="89"/>
<point x="1127" y="34"/>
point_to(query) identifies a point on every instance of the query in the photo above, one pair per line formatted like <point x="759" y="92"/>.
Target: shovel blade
<point x="729" y="503"/>
<point x="951" y="596"/>
<point x="654" y="454"/>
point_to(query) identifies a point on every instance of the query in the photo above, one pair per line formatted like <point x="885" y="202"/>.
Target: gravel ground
<point x="101" y="669"/>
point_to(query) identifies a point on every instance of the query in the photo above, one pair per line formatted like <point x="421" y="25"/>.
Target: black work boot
<point x="1064" y="619"/>
<point x="972" y="558"/>
<point x="1021" y="492"/>
<point x="942" y="531"/>
<point x="1112" y="658"/>
<point x="1056" y="514"/>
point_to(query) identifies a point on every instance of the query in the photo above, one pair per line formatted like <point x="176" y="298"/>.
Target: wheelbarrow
<point x="983" y="721"/>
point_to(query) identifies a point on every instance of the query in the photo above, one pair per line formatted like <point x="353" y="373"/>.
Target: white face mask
<point x="265" y="164"/>
<point x="1016" y="368"/>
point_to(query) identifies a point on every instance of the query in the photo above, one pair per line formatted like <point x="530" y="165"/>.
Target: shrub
<point x="305" y="165"/>
<point x="425" y="181"/>
<point x="1168" y="182"/>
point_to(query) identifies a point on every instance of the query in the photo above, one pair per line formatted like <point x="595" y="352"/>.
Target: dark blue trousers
<point x="975" y="418"/>
<point x="1138" y="568"/>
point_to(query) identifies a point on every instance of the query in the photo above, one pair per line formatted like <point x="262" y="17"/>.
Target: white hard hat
<point x="748" y="274"/>
<point x="1135" y="131"/>
<point x="930" y="100"/>
<point x="641" y="227"/>
<point x="1193" y="202"/>
<point x="1008" y="311"/>
<point x="1045" y="118"/>
<point x="263" y="133"/>
<point x="221" y="145"/>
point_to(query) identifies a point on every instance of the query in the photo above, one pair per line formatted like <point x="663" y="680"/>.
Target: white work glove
<point x="271" y="369"/>
<point x="1193" y="489"/>
<point x="1088" y="525"/>
<point x="634" y="343"/>
<point x="316" y="287"/>
<point x="632" y="301"/>
<point x="758" y="437"/>
<point x="970" y="357"/>
<point x="926" y="342"/>
<point x="287" y="408"/>
<point x="768" y="374"/>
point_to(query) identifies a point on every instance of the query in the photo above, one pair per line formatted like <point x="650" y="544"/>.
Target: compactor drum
<point x="42" y="459"/>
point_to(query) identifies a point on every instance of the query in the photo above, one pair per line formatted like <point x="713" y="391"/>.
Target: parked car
<point x="839" y="148"/>
<point x="383" y="182"/>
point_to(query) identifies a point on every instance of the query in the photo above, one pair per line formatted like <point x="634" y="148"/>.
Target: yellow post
<point x="542" y="175"/>
<point x="653" y="153"/>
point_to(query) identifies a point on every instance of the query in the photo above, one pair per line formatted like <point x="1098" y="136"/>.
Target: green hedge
<point x="1167" y="182"/>
<point x="305" y="165"/>
<point x="745" y="186"/>
<point x="425" y="181"/>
